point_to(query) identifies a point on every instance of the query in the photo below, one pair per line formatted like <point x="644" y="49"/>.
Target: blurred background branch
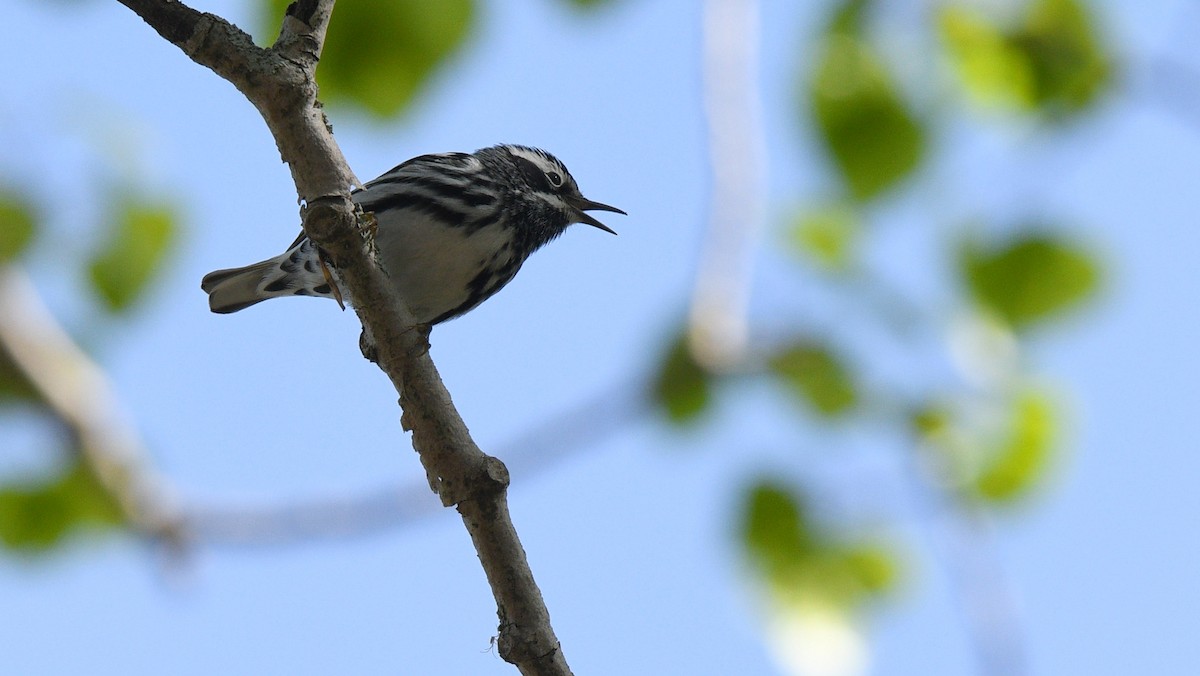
<point x="369" y="512"/>
<point x="79" y="394"/>
<point x="719" y="321"/>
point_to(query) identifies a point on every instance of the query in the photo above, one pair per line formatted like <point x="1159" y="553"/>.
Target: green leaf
<point x="18" y="224"/>
<point x="872" y="137"/>
<point x="930" y="420"/>
<point x="873" y="567"/>
<point x="1050" y="61"/>
<point x="37" y="516"/>
<point x="801" y="563"/>
<point x="90" y="502"/>
<point x="1000" y="453"/>
<point x="379" y="56"/>
<point x="683" y="387"/>
<point x="1024" y="454"/>
<point x="14" y="385"/>
<point x="1029" y="279"/>
<point x="32" y="519"/>
<point x="775" y="529"/>
<point x="828" y="236"/>
<point x="818" y="377"/>
<point x="140" y="236"/>
<point x="1070" y="68"/>
<point x="992" y="69"/>
<point x="775" y="533"/>
<point x="849" y="17"/>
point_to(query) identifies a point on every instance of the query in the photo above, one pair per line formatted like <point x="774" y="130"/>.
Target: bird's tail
<point x="296" y="272"/>
<point x="234" y="289"/>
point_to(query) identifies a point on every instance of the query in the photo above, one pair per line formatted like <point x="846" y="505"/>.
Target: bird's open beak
<point x="583" y="204"/>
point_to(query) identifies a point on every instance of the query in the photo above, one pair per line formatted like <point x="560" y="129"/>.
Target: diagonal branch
<point x="83" y="398"/>
<point x="280" y="83"/>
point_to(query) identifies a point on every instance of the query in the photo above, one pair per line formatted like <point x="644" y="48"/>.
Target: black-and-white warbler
<point x="453" y="229"/>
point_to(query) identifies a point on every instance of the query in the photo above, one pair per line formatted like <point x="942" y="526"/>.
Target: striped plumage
<point x="453" y="229"/>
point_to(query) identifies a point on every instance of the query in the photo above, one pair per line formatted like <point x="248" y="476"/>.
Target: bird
<point x="452" y="230"/>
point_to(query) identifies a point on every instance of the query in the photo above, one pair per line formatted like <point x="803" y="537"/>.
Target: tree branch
<point x="718" y="321"/>
<point x="280" y="82"/>
<point x="82" y="397"/>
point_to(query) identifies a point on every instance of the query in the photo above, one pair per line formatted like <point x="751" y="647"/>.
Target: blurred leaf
<point x="379" y="55"/>
<point x="848" y="17"/>
<point x="32" y="518"/>
<point x="683" y="387"/>
<point x="92" y="504"/>
<point x="800" y="563"/>
<point x="139" y="238"/>
<point x="873" y="138"/>
<point x="14" y="385"/>
<point x="991" y="67"/>
<point x="1021" y="458"/>
<point x="1069" y="65"/>
<point x="930" y="420"/>
<point x="1029" y="279"/>
<point x="828" y="236"/>
<point x="873" y="566"/>
<point x="817" y="376"/>
<point x="775" y="531"/>
<point x="996" y="452"/>
<point x="1051" y="61"/>
<point x="37" y="516"/>
<point x="955" y="449"/>
<point x="18" y="225"/>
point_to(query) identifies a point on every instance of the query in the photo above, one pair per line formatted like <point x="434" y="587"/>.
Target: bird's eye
<point x="554" y="178"/>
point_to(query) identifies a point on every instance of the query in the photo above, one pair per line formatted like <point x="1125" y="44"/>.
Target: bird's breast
<point x="437" y="268"/>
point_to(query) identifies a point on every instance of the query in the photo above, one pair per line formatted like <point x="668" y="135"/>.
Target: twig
<point x="280" y="82"/>
<point x="963" y="535"/>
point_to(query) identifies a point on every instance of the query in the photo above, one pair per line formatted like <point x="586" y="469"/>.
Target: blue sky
<point x="630" y="537"/>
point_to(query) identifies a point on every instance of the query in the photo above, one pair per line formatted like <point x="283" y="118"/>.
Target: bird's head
<point x="549" y="181"/>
